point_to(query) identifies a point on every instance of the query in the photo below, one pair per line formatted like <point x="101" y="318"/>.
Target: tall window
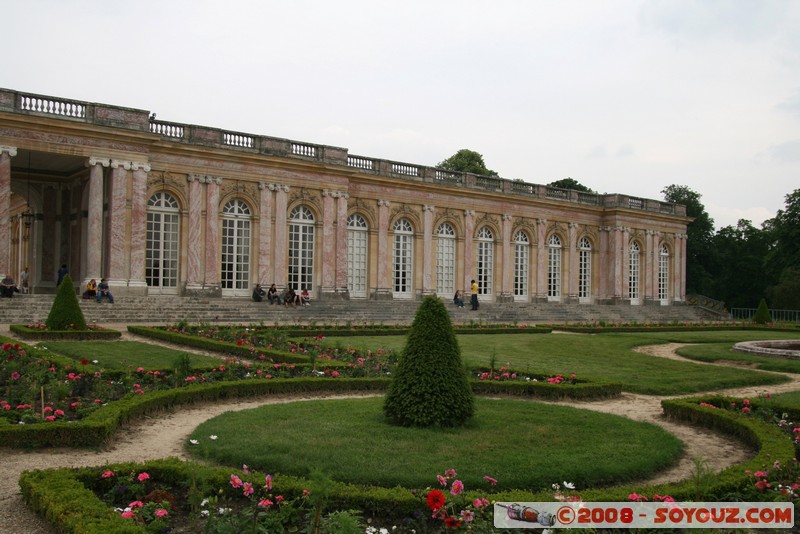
<point x="521" y="255"/>
<point x="554" y="268"/>
<point x="162" y="248"/>
<point x="584" y="270"/>
<point x="663" y="274"/>
<point x="633" y="275"/>
<point x="235" y="248"/>
<point x="485" y="260"/>
<point x="446" y="261"/>
<point x="357" y="239"/>
<point x="301" y="249"/>
<point x="403" y="259"/>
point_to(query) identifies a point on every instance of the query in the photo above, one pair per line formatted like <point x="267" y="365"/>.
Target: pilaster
<point x="94" y="219"/>
<point x="137" y="285"/>
<point x="117" y="261"/>
<point x="212" y="254"/>
<point x="281" y="229"/>
<point x="341" y="246"/>
<point x="572" y="282"/>
<point x="507" y="282"/>
<point x="194" y="267"/>
<point x="541" y="260"/>
<point x="383" y="291"/>
<point x="469" y="249"/>
<point x="328" y="244"/>
<point x="265" y="270"/>
<point x="427" y="251"/>
<point x="6" y="153"/>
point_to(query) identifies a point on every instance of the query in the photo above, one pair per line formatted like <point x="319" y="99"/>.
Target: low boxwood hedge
<point x="65" y="498"/>
<point x="96" y="333"/>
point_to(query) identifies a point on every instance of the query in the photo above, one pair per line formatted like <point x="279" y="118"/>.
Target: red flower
<point x="84" y="362"/>
<point x="452" y="522"/>
<point x="435" y="500"/>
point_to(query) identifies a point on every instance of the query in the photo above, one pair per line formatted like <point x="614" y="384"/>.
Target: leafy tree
<point x="430" y="386"/>
<point x="466" y="160"/>
<point x="66" y="313"/>
<point x="571" y="183"/>
<point x="784" y="258"/>
<point x="740" y="274"/>
<point x="785" y="295"/>
<point x="700" y="258"/>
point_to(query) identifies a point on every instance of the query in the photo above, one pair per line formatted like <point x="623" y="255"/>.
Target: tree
<point x="700" y="258"/>
<point x="66" y="314"/>
<point x="571" y="183"/>
<point x="762" y="315"/>
<point x="784" y="258"/>
<point x="740" y="274"/>
<point x="466" y="160"/>
<point x="785" y="295"/>
<point x="429" y="386"/>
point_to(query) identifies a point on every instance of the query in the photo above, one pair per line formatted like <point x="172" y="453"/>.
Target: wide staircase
<point x="25" y="309"/>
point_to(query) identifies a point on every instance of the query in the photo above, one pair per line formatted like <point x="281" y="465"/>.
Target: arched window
<point x="235" y="269"/>
<point x="633" y="272"/>
<point x="485" y="260"/>
<point x="663" y="275"/>
<point x="445" y="261"/>
<point x="162" y="247"/>
<point x="403" y="271"/>
<point x="554" y="268"/>
<point x="521" y="258"/>
<point x="301" y="249"/>
<point x="357" y="240"/>
<point x="584" y="270"/>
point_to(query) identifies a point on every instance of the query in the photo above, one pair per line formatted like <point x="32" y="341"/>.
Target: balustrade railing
<point x="488" y="182"/>
<point x="53" y="106"/>
<point x="778" y="316"/>
<point x="299" y="149"/>
<point x="523" y="188"/>
<point x="448" y="177"/>
<point x="237" y="139"/>
<point x="557" y="193"/>
<point x="636" y="203"/>
<point x="405" y="169"/>
<point x="360" y="163"/>
<point x="588" y="198"/>
<point x="167" y="129"/>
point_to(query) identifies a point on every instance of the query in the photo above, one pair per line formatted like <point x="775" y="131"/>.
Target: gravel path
<point x="165" y="434"/>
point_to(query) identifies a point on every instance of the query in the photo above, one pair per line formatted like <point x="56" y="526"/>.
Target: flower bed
<point x="39" y="331"/>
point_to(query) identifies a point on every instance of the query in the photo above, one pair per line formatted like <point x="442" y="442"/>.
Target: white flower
<point x="204" y="513"/>
<point x="569" y="485"/>
<point x="204" y="503"/>
<point x="193" y="441"/>
<point x="556" y="487"/>
<point x="95" y="361"/>
<point x="212" y="436"/>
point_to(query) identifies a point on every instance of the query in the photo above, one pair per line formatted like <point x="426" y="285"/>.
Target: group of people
<point x="98" y="291"/>
<point x="289" y="297"/>
<point x="458" y="298"/>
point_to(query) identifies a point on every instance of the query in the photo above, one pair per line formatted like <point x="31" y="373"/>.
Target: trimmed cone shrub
<point x="762" y="315"/>
<point x="430" y="386"/>
<point x="66" y="313"/>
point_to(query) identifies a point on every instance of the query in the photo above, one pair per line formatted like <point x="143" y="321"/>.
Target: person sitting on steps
<point x="8" y="287"/>
<point x="290" y="297"/>
<point x="103" y="291"/>
<point x="91" y="289"/>
<point x="272" y="295"/>
<point x="258" y="293"/>
<point x="305" y="298"/>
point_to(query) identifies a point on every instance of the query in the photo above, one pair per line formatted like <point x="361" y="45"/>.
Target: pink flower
<point x="15" y="376"/>
<point x="442" y="480"/>
<point x="50" y="418"/>
<point x="136" y="504"/>
<point x="245" y="469"/>
<point x="490" y="480"/>
<point x="142" y="477"/>
<point x="268" y="482"/>
<point x="107" y="474"/>
<point x="236" y="482"/>
<point x="128" y="514"/>
<point x="58" y="413"/>
<point x="265" y="503"/>
<point x="467" y="515"/>
<point x="457" y="487"/>
<point x="450" y="473"/>
<point x="248" y="489"/>
<point x="161" y="513"/>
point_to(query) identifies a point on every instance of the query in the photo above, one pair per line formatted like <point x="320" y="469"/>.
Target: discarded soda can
<point x="529" y="515"/>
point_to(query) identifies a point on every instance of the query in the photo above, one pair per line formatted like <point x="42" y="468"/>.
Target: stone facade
<point x="167" y="208"/>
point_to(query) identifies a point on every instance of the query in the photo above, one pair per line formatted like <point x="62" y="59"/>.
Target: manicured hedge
<point x="96" y="334"/>
<point x="610" y="329"/>
<point x="63" y="496"/>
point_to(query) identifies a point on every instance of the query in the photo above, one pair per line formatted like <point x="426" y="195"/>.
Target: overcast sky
<point x="623" y="96"/>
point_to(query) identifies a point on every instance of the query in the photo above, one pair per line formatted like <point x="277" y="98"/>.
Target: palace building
<point x="178" y="209"/>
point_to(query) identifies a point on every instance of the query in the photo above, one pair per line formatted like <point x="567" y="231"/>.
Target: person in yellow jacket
<point x="474" y="300"/>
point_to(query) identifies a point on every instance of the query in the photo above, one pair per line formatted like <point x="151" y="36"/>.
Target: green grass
<point x="607" y="356"/>
<point x="723" y="352"/>
<point x="520" y="443"/>
<point x="126" y="354"/>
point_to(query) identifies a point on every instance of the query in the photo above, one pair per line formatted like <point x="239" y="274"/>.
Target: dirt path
<point x="165" y="434"/>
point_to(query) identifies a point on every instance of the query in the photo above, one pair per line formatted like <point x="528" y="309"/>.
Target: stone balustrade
<point x="134" y="119"/>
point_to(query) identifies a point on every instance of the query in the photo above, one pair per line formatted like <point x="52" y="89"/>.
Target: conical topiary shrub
<point x="430" y="386"/>
<point x="762" y="315"/>
<point x="66" y="313"/>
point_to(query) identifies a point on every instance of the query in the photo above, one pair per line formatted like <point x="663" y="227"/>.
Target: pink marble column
<point x="328" y="242"/>
<point x="572" y="284"/>
<point x="265" y="271"/>
<point x="680" y="267"/>
<point x="212" y="254"/>
<point x="427" y="250"/>
<point x="341" y="244"/>
<point x="118" y="262"/>
<point x="281" y="233"/>
<point x="136" y="281"/>
<point x="603" y="271"/>
<point x="617" y="249"/>
<point x="626" y="263"/>
<point x="194" y="248"/>
<point x="469" y="251"/>
<point x="648" y="292"/>
<point x="6" y="153"/>
<point x="383" y="291"/>
<point x="541" y="263"/>
<point x="507" y="288"/>
<point x="94" y="221"/>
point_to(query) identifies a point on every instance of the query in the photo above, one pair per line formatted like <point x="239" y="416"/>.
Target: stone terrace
<point x="23" y="309"/>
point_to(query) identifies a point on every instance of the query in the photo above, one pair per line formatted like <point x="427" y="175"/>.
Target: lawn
<point x="602" y="356"/>
<point x="723" y="352"/>
<point x="522" y="444"/>
<point x="126" y="354"/>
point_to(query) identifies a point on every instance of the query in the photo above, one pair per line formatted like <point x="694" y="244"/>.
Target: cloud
<point x="729" y="216"/>
<point x="791" y="104"/>
<point x="788" y="151"/>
